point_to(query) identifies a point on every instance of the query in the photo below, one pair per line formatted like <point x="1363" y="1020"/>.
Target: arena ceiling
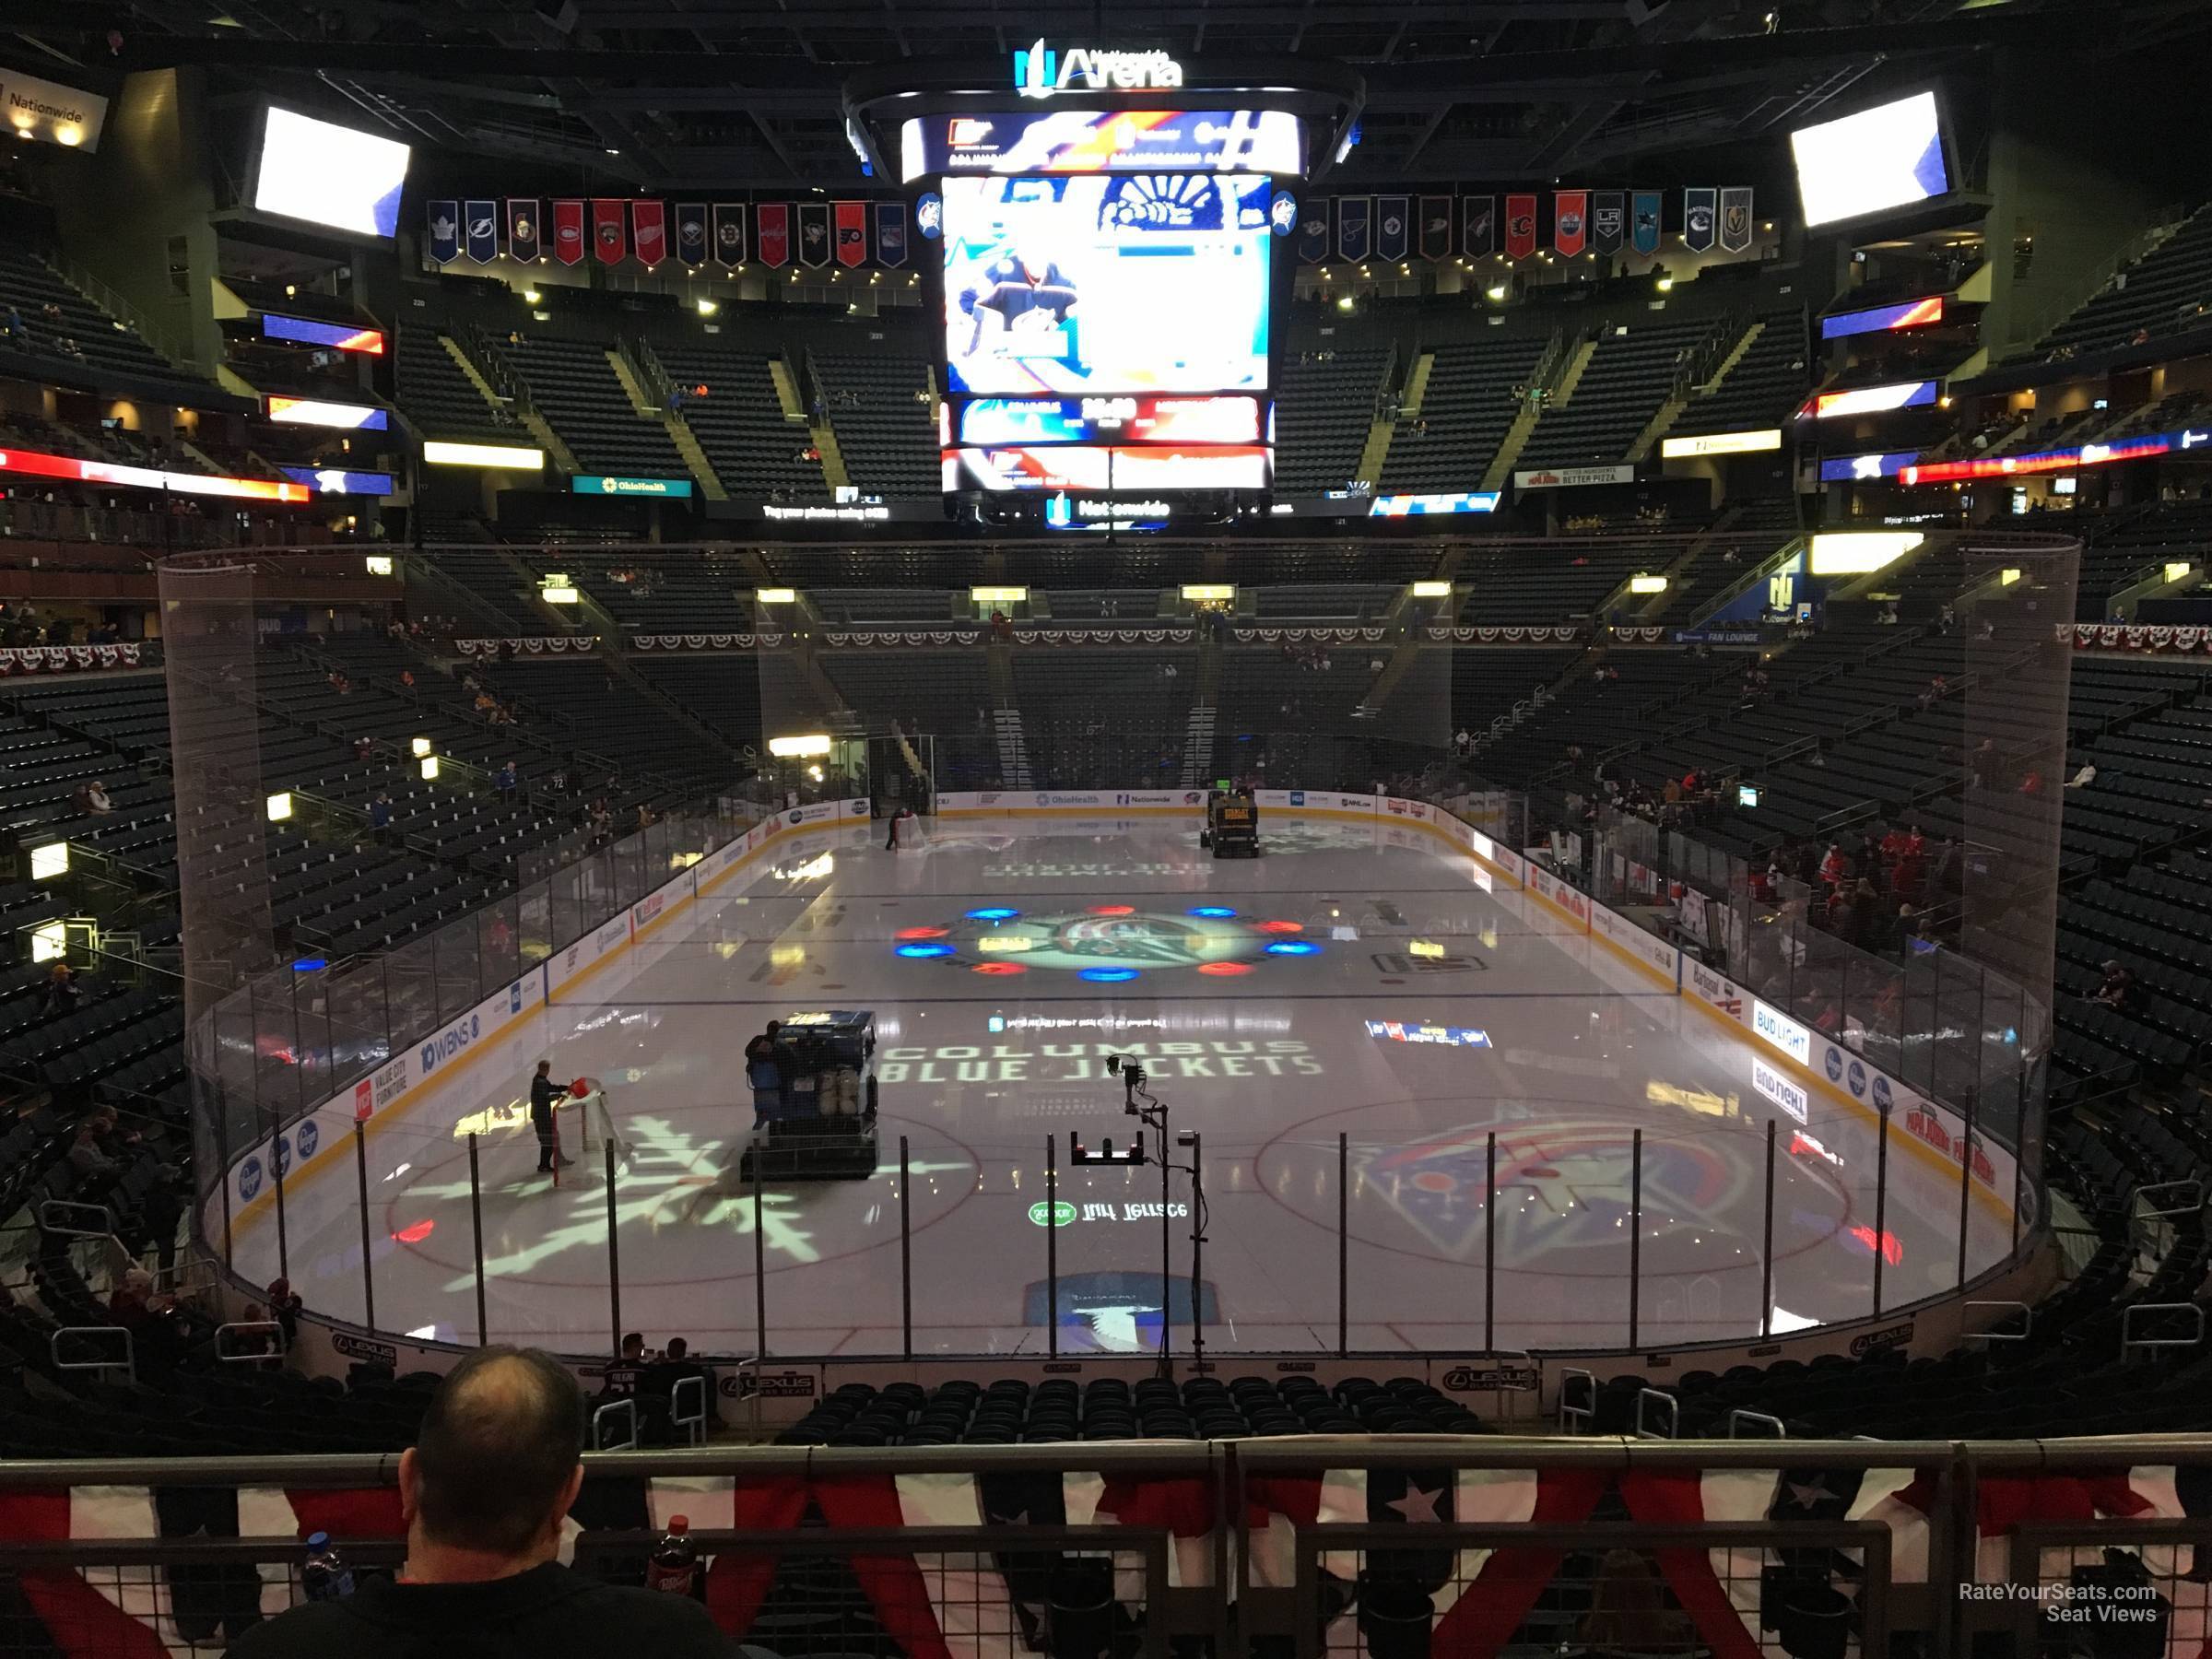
<point x="670" y="93"/>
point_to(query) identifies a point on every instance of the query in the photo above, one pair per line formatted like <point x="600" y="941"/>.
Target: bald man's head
<point x="498" y="1451"/>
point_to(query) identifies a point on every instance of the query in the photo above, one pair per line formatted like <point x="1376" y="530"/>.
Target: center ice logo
<point x="1107" y="940"/>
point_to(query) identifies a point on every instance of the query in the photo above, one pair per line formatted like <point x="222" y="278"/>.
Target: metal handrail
<point x="2027" y="1314"/>
<point x="1673" y="1413"/>
<point x="101" y="1226"/>
<point x="1741" y="1415"/>
<point x="2130" y="1342"/>
<point x="1571" y="1415"/>
<point x="691" y="1424"/>
<point x="257" y="1326"/>
<point x="127" y="1364"/>
<point x="612" y="1411"/>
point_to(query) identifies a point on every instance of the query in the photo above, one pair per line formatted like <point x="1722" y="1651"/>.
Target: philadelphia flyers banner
<point x="567" y="232"/>
<point x="1520" y="226"/>
<point x="1570" y="221"/>
<point x="852" y="232"/>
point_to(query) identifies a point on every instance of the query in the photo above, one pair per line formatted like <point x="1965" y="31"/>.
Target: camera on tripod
<point x="1133" y="1079"/>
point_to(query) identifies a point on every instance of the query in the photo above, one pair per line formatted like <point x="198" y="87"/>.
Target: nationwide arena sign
<point x="1041" y="71"/>
<point x="71" y="469"/>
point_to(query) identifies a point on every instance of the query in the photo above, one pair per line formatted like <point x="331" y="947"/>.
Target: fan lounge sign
<point x="1040" y="71"/>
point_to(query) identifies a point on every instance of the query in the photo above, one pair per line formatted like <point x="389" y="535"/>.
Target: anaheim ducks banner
<point x="1566" y="633"/>
<point x="2124" y="636"/>
<point x="544" y="645"/>
<point x="66" y="659"/>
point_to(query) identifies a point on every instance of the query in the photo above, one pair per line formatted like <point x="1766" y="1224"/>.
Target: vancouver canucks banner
<point x="1354" y="216"/>
<point x="814" y="234"/>
<point x="1699" y="212"/>
<point x="649" y="231"/>
<point x="1643" y="222"/>
<point x="1436" y="227"/>
<point x="442" y="224"/>
<point x="610" y="240"/>
<point x="1520" y="226"/>
<point x="1735" y="221"/>
<point x="568" y="232"/>
<point x="1570" y="221"/>
<point x="890" y="233"/>
<point x="1314" y="230"/>
<point x="729" y="233"/>
<point x="480" y="221"/>
<point x="1609" y="220"/>
<point x="1477" y="226"/>
<point x="1391" y="231"/>
<point x="691" y="233"/>
<point x="852" y="232"/>
<point x="775" y="233"/>
<point x="523" y="230"/>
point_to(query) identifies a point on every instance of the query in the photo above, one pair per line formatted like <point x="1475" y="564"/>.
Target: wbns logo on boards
<point x="1040" y="71"/>
<point x="450" y="1043"/>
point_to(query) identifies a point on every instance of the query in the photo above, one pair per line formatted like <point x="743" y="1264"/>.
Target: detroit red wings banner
<point x="609" y="242"/>
<point x="1570" y="221"/>
<point x="649" y="231"/>
<point x="852" y="233"/>
<point x="774" y="240"/>
<point x="568" y="232"/>
<point x="1520" y="226"/>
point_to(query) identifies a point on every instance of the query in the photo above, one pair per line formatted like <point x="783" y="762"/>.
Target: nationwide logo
<point x="1041" y="71"/>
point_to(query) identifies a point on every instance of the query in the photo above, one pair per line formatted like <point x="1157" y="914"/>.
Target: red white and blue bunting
<point x="2126" y="636"/>
<point x="544" y="646"/>
<point x="706" y="641"/>
<point x="66" y="659"/>
<point x="1565" y="634"/>
<point x="1309" y="636"/>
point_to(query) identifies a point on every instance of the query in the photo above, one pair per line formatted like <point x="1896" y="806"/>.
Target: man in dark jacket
<point x="544" y="1094"/>
<point x="485" y="1490"/>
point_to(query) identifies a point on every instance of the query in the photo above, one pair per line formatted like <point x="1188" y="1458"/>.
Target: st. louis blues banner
<point x="1314" y="230"/>
<point x="890" y="233"/>
<point x="775" y="233"/>
<point x="1698" y="214"/>
<point x="1643" y="221"/>
<point x="523" y="231"/>
<point x="1609" y="220"/>
<point x="1570" y="221"/>
<point x="610" y="241"/>
<point x="480" y="220"/>
<point x="1354" y="215"/>
<point x="691" y="233"/>
<point x="1436" y="227"/>
<point x="1520" y="226"/>
<point x="649" y="231"/>
<point x="441" y="224"/>
<point x="814" y="234"/>
<point x="1391" y="231"/>
<point x="852" y="232"/>
<point x="1735" y="221"/>
<point x="1477" y="226"/>
<point x="729" y="233"/>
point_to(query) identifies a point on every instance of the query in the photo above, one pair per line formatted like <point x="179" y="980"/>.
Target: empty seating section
<point x="1634" y="370"/>
<point x="720" y="689"/>
<point x="605" y="714"/>
<point x="874" y="567"/>
<point x="1490" y="687"/>
<point x="886" y="420"/>
<point x="1466" y="407"/>
<point x="29" y="285"/>
<point x="946" y="693"/>
<point x="2119" y="551"/>
<point x="1520" y="587"/>
<point x="1322" y="412"/>
<point x="670" y="592"/>
<point x="441" y="401"/>
<point x="1765" y="387"/>
<point x="572" y="383"/>
<point x="504" y="593"/>
<point x="1094" y="717"/>
<point x="755" y="451"/>
<point x="2168" y="291"/>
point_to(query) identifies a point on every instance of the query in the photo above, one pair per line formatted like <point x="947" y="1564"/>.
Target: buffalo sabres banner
<point x="729" y="233"/>
<point x="1477" y="226"/>
<point x="442" y="226"/>
<point x="1735" y="221"/>
<point x="1643" y="221"/>
<point x="1354" y="213"/>
<point x="814" y="234"/>
<point x="852" y="232"/>
<point x="1314" y="230"/>
<point x="775" y="233"/>
<point x="1699" y="213"/>
<point x="609" y="240"/>
<point x="890" y="233"/>
<point x="521" y="228"/>
<point x="691" y="233"/>
<point x="1391" y="228"/>
<point x="649" y="231"/>
<point x="1609" y="220"/>
<point x="1570" y="221"/>
<point x="567" y="232"/>
<point x="1520" y="226"/>
<point x="1436" y="227"/>
<point x="480" y="224"/>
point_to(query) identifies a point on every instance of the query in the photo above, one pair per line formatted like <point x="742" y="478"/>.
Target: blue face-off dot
<point x="925" y="951"/>
<point x="992" y="915"/>
<point x="1106" y="976"/>
<point x="1295" y="948"/>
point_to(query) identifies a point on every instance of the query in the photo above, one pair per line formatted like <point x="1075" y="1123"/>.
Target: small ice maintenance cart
<point x="821" y="1123"/>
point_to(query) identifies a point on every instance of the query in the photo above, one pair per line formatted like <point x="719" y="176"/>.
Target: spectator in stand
<point x="2085" y="777"/>
<point x="363" y="748"/>
<point x="485" y="1490"/>
<point x="509" y="782"/>
<point x="286" y="1305"/>
<point x="61" y="991"/>
<point x="380" y="817"/>
<point x="93" y="798"/>
<point x="1834" y="868"/>
<point x="338" y="682"/>
<point x="12" y="329"/>
<point x="1982" y="765"/>
<point x="2115" y="988"/>
<point x="85" y="1159"/>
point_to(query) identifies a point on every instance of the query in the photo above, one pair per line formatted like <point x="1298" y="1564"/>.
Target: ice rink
<point x="1360" y="980"/>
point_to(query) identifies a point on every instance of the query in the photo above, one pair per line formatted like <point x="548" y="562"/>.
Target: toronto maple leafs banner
<point x="1391" y="229"/>
<point x="521" y="228"/>
<point x="729" y="233"/>
<point x="441" y="224"/>
<point x="890" y="233"/>
<point x="1353" y="217"/>
<point x="1314" y="230"/>
<point x="1699" y="214"/>
<point x="691" y="233"/>
<point x="1477" y="226"/>
<point x="480" y="225"/>
<point x="814" y="234"/>
<point x="1643" y="222"/>
<point x="568" y="232"/>
<point x="1735" y="221"/>
<point x="1609" y="220"/>
<point x="1436" y="227"/>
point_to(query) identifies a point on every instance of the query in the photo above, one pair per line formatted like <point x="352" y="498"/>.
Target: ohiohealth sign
<point x="1041" y="71"/>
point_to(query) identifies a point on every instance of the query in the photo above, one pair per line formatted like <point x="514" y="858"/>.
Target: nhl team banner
<point x="1609" y="220"/>
<point x="1314" y="230"/>
<point x="609" y="240"/>
<point x="441" y="223"/>
<point x="729" y="233"/>
<point x="691" y="233"/>
<point x="1436" y="227"/>
<point x="1699" y="212"/>
<point x="481" y="221"/>
<point x="890" y="233"/>
<point x="814" y="234"/>
<point x="521" y="228"/>
<point x="1477" y="226"/>
<point x="1520" y="226"/>
<point x="1735" y="221"/>
<point x="775" y="233"/>
<point x="1643" y="221"/>
<point x="1570" y="221"/>
<point x="1391" y="227"/>
<point x="852" y="232"/>
<point x="1354" y="215"/>
<point x="568" y="232"/>
<point x="649" y="231"/>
